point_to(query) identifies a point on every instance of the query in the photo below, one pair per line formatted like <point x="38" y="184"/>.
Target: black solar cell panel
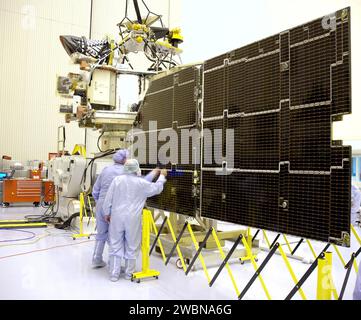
<point x="279" y="97"/>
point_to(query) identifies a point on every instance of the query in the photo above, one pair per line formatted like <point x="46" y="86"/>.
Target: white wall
<point x="212" y="27"/>
<point x="31" y="56"/>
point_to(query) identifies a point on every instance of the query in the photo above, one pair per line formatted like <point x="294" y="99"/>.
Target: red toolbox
<point x="27" y="190"/>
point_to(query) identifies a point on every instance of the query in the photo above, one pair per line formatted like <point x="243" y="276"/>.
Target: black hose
<point x="66" y="224"/>
<point x="91" y="163"/>
<point x="99" y="141"/>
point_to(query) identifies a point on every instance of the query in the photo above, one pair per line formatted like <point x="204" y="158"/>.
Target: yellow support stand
<point x="287" y="242"/>
<point x="79" y="149"/>
<point x="311" y="248"/>
<point x="355" y="266"/>
<point x="146" y="271"/>
<point x="23" y="225"/>
<point x="290" y="270"/>
<point x="255" y="266"/>
<point x="356" y="234"/>
<point x="178" y="249"/>
<point x="325" y="284"/>
<point x="339" y="255"/>
<point x="154" y="227"/>
<point x="200" y="255"/>
<point x="214" y="234"/>
<point x="249" y="256"/>
<point x="81" y="233"/>
<point x="90" y="207"/>
<point x="266" y="238"/>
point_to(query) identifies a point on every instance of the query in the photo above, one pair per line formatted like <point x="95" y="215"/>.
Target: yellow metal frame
<point x="201" y="259"/>
<point x="112" y="47"/>
<point x="23" y="225"/>
<point x="194" y="240"/>
<point x="146" y="271"/>
<point x="79" y="148"/>
<point x="154" y="228"/>
<point x="13" y="221"/>
<point x="20" y="223"/>
<point x="311" y="248"/>
<point x="287" y="243"/>
<point x="286" y="261"/>
<point x="81" y="233"/>
<point x="339" y="255"/>
<point x="324" y="265"/>
<point x="266" y="238"/>
<point x="325" y="284"/>
<point x="290" y="270"/>
<point x="356" y="234"/>
<point x="249" y="252"/>
<point x="255" y="266"/>
<point x="178" y="249"/>
<point x="216" y="239"/>
<point x="324" y="292"/>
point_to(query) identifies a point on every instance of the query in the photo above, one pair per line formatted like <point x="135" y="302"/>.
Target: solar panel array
<point x="173" y="102"/>
<point x="280" y="97"/>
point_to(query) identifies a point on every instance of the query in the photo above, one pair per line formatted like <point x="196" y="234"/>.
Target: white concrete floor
<point x="54" y="266"/>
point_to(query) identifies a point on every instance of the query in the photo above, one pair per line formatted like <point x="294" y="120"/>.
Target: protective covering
<point x="121" y="156"/>
<point x="98" y="255"/>
<point x="115" y="268"/>
<point x="132" y="166"/>
<point x="100" y="189"/>
<point x="124" y="202"/>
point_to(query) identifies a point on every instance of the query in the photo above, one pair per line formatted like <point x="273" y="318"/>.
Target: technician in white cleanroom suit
<point x="124" y="204"/>
<point x="99" y="192"/>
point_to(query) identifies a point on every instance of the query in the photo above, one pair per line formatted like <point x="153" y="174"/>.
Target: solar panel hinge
<point x="176" y="79"/>
<point x="232" y="54"/>
<point x="197" y="92"/>
<point x="284" y="66"/>
<point x="337" y="143"/>
<point x="337" y="118"/>
<point x="344" y="241"/>
<point x="283" y="203"/>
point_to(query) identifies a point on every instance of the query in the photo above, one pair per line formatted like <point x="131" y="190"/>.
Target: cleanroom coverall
<point x="355" y="203"/>
<point x="124" y="202"/>
<point x="100" y="190"/>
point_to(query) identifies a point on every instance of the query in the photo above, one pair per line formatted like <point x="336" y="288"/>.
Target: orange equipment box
<point x="22" y="190"/>
<point x="27" y="190"/>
